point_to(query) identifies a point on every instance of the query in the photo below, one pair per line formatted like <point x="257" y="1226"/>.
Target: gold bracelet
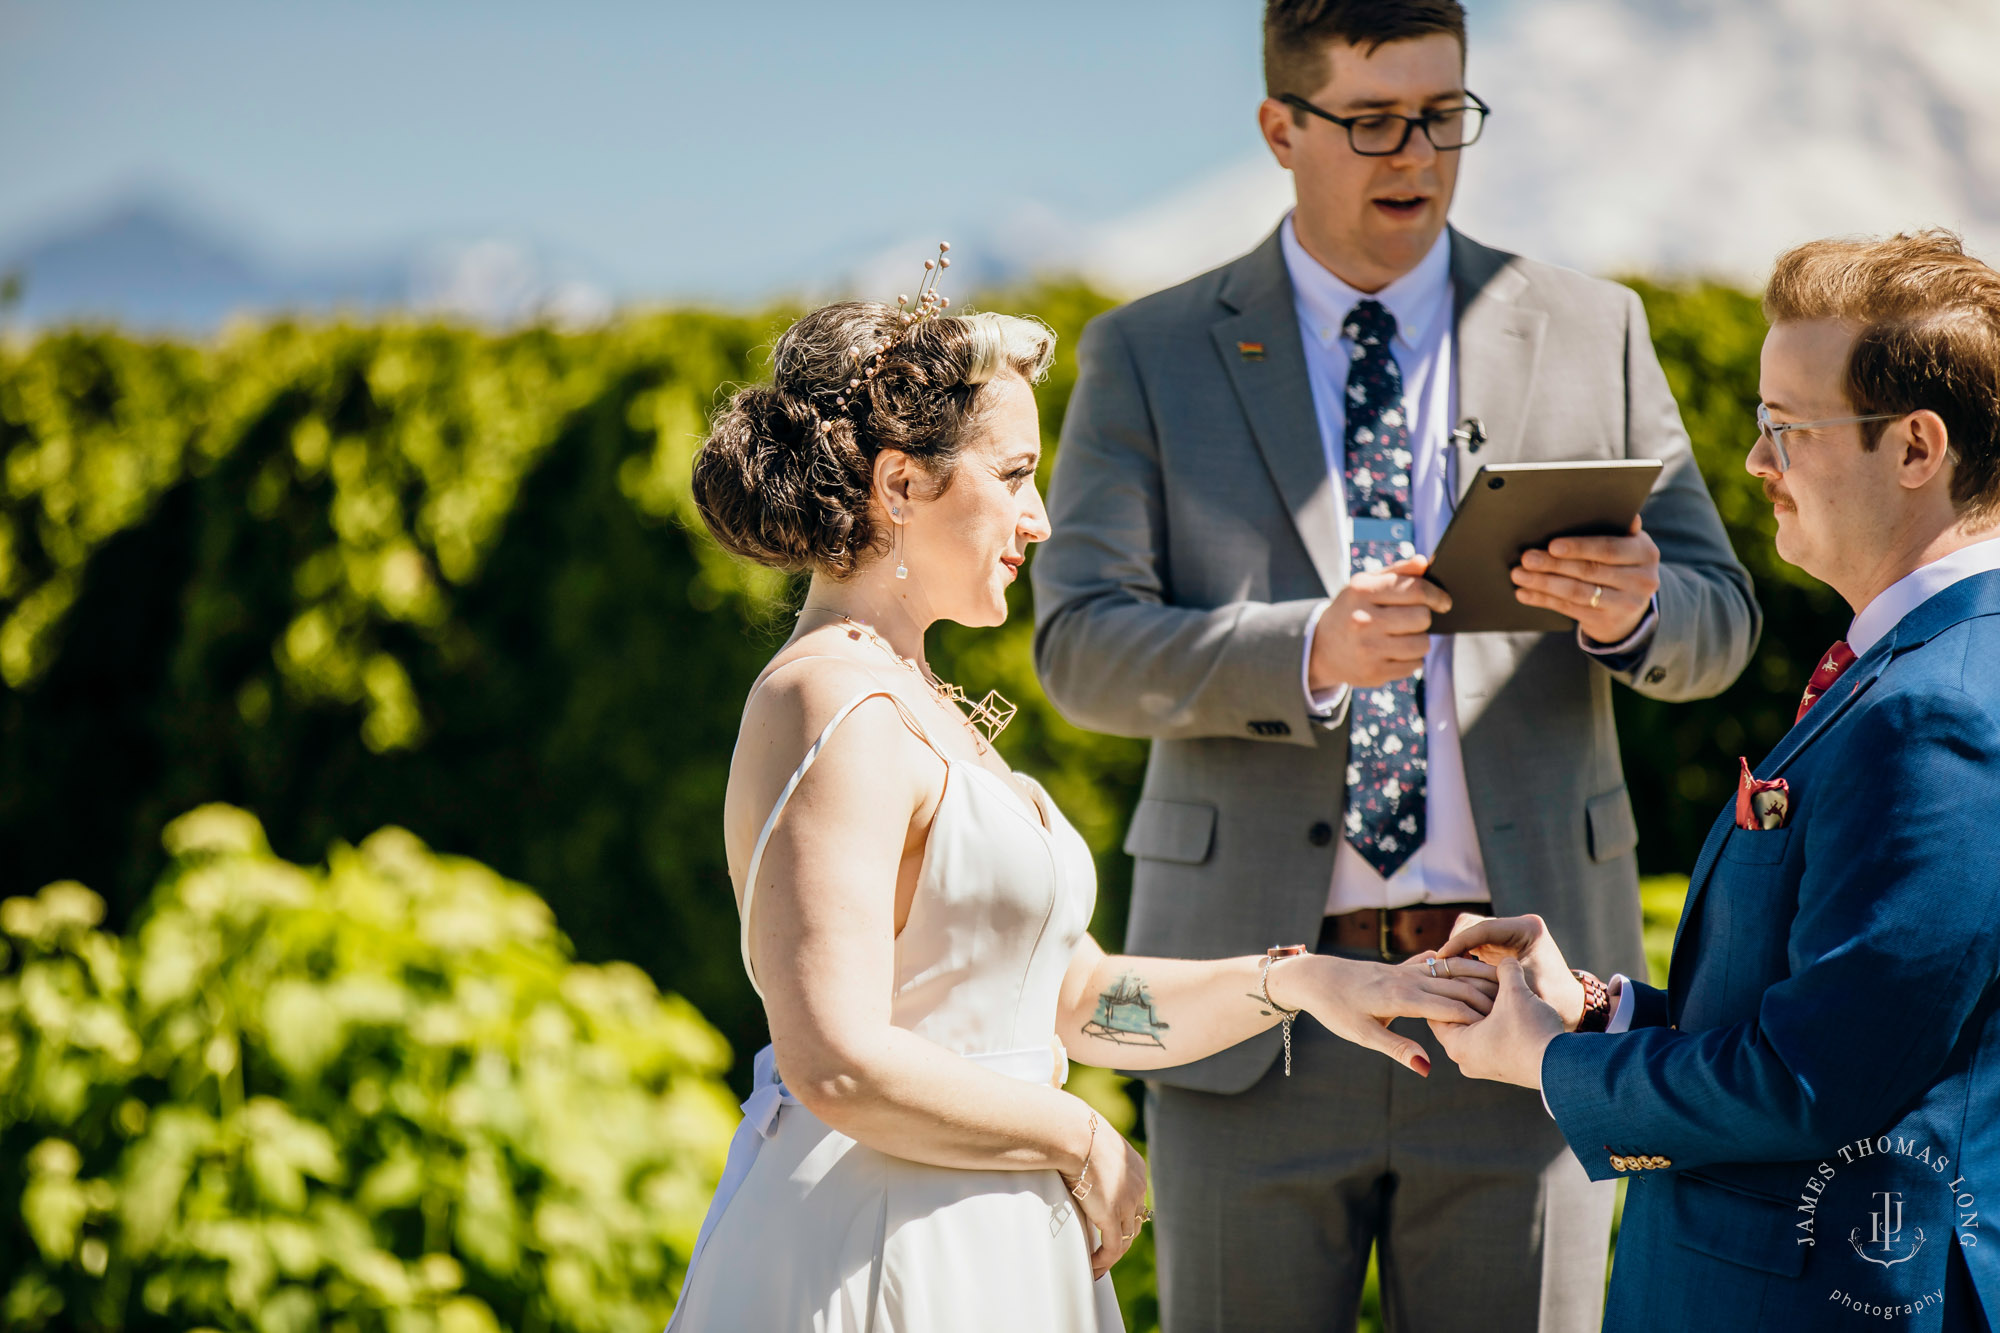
<point x="1082" y="1187"/>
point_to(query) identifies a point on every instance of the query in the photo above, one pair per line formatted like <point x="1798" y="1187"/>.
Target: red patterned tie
<point x="1838" y="658"/>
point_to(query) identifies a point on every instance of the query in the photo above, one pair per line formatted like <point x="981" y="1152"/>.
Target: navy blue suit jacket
<point x="1832" y="1025"/>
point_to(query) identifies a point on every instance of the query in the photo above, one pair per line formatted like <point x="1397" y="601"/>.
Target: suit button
<point x="1617" y="1163"/>
<point x="1656" y="675"/>
<point x="1320" y="834"/>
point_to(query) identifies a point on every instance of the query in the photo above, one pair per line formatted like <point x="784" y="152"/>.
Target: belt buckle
<point x="1382" y="934"/>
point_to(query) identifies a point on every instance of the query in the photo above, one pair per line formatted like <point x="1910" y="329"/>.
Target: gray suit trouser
<point x="1269" y="1200"/>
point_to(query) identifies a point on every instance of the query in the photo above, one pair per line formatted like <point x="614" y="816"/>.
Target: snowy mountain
<point x="152" y="262"/>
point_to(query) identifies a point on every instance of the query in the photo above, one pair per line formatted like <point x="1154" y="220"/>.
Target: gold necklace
<point x="986" y="718"/>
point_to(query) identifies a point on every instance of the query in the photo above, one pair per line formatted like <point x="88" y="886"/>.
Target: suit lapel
<point x="1978" y="595"/>
<point x="1499" y="345"/>
<point x="1975" y="596"/>
<point x="1818" y="718"/>
<point x="1260" y="346"/>
<point x="1828" y="709"/>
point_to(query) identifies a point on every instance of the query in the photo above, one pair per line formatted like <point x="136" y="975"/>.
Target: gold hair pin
<point x="929" y="304"/>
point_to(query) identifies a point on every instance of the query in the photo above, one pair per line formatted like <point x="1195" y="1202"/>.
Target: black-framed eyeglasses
<point x="1384" y="133"/>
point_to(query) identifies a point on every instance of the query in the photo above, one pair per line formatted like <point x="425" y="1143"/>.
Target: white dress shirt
<point x="1448" y="867"/>
<point x="1911" y="591"/>
<point x="1870" y="627"/>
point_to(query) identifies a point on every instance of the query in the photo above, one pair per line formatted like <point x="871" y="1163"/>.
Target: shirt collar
<point x="1917" y="587"/>
<point x="1418" y="299"/>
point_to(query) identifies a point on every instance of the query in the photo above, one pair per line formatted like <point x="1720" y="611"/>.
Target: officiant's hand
<point x="1377" y="628"/>
<point x="1507" y="1045"/>
<point x="1525" y="939"/>
<point x="1604" y="584"/>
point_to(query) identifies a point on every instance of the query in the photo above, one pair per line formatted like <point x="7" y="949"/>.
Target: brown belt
<point x="1397" y="933"/>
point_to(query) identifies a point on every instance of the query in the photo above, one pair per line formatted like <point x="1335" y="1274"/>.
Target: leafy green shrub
<point x="403" y="573"/>
<point x="374" y="1095"/>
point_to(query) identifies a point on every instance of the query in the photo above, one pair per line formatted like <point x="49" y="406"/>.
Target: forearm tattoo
<point x="1126" y="1014"/>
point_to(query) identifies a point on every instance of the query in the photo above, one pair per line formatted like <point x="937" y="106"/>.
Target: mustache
<point x="1775" y="493"/>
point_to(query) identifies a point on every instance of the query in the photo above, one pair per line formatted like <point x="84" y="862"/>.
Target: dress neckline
<point x="1037" y="811"/>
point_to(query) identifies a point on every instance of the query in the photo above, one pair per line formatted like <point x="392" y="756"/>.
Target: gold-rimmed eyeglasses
<point x="1776" y="431"/>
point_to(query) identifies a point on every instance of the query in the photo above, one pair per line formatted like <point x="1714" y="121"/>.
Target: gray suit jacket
<point x="1195" y="529"/>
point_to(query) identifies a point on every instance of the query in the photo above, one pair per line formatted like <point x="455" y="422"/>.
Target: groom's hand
<point x="1507" y="1045"/>
<point x="1525" y="939"/>
<point x="1377" y="628"/>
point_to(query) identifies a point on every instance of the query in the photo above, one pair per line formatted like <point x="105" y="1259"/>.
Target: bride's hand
<point x="1356" y="999"/>
<point x="1117" y="1198"/>
<point x="1527" y="939"/>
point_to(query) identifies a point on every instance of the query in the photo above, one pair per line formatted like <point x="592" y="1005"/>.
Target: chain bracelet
<point x="1082" y="1187"/>
<point x="1285" y="1016"/>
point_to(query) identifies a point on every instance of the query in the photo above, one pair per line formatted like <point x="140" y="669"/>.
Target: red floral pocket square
<point x="1760" y="804"/>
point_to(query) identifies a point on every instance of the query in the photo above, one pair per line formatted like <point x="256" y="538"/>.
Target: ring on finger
<point x="1432" y="964"/>
<point x="1596" y="595"/>
<point x="1447" y="967"/>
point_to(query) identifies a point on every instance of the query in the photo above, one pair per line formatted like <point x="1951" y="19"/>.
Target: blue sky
<point x="670" y="148"/>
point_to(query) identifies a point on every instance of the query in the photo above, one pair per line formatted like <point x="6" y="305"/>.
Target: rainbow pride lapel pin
<point x="1250" y="351"/>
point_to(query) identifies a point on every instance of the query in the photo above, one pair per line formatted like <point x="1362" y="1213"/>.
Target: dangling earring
<point x="902" y="571"/>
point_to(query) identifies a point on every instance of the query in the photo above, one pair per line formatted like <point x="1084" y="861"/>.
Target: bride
<point x="914" y="913"/>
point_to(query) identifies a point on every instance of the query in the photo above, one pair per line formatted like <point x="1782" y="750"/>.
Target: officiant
<point x="1253" y="468"/>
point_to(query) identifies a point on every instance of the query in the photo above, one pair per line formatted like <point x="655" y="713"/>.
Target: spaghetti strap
<point x="810" y="1227"/>
<point x="792" y="785"/>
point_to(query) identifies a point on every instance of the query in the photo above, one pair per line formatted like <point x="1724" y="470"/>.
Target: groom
<point x="1250" y="467"/>
<point x="1810" y="1114"/>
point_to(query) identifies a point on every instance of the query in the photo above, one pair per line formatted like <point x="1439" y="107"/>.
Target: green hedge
<point x="351" y="576"/>
<point x="348" y="576"/>
<point x="373" y="1096"/>
<point x="411" y="574"/>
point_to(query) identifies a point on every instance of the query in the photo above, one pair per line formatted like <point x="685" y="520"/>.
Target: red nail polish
<point x="1422" y="1065"/>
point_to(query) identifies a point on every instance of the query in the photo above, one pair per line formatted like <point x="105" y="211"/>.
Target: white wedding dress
<point x="810" y="1230"/>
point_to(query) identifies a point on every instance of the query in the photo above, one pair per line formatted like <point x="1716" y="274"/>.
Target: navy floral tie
<point x="1386" y="756"/>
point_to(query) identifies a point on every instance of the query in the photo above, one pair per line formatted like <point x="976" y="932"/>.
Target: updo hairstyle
<point x="785" y="475"/>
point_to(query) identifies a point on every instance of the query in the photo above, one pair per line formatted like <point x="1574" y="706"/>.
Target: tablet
<point x="1515" y="507"/>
